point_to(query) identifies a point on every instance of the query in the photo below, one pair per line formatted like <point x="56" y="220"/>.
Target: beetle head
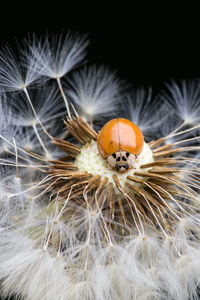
<point x="121" y="160"/>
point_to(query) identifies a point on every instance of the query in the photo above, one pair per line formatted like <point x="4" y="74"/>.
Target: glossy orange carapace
<point x="119" y="134"/>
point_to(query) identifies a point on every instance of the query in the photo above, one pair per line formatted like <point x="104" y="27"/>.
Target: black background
<point x="147" y="45"/>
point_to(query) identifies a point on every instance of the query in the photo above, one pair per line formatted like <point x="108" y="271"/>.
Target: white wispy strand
<point x="147" y="113"/>
<point x="6" y="128"/>
<point x="59" y="54"/>
<point x="171" y="122"/>
<point x="47" y="104"/>
<point x="95" y="92"/>
<point x="168" y="270"/>
<point x="17" y="73"/>
<point x="31" y="272"/>
<point x="184" y="99"/>
<point x="11" y="206"/>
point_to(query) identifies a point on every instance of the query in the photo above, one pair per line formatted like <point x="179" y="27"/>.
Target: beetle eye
<point x="114" y="155"/>
<point x="117" y="167"/>
<point x="127" y="154"/>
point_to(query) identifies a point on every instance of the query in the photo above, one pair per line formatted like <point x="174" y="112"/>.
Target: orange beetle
<point x="119" y="141"/>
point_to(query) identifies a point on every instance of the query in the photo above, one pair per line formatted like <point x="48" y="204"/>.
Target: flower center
<point x="91" y="161"/>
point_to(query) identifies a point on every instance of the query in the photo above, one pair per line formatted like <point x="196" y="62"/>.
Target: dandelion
<point x="110" y="212"/>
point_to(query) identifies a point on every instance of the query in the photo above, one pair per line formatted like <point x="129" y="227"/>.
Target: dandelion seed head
<point x="70" y="226"/>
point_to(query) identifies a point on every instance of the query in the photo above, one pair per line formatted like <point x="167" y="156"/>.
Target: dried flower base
<point x="150" y="197"/>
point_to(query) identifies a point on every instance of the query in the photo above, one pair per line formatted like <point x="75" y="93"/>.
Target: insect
<point x="120" y="141"/>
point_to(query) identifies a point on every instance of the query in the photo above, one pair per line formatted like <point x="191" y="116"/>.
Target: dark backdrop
<point x="146" y="45"/>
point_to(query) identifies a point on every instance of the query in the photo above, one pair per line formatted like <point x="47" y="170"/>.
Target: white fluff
<point x="47" y="103"/>
<point x="184" y="99"/>
<point x="17" y="73"/>
<point x="57" y="55"/>
<point x="30" y="272"/>
<point x="95" y="91"/>
<point x="147" y="113"/>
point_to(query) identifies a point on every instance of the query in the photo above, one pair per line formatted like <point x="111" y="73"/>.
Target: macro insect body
<point x="120" y="141"/>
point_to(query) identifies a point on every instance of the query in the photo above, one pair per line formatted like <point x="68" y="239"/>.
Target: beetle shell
<point x="119" y="134"/>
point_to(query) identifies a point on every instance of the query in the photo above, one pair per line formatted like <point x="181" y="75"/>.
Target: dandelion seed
<point x="139" y="107"/>
<point x="184" y="98"/>
<point x="47" y="104"/>
<point x="95" y="92"/>
<point x="15" y="75"/>
<point x="58" y="55"/>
